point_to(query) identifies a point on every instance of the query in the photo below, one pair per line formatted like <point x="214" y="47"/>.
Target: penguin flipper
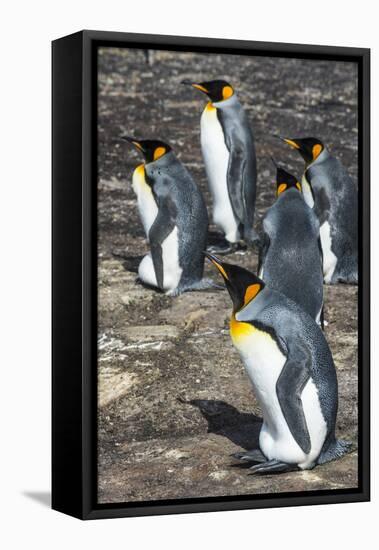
<point x="263" y="249"/>
<point x="240" y="190"/>
<point x="321" y="201"/>
<point x="289" y="386"/>
<point x="163" y="224"/>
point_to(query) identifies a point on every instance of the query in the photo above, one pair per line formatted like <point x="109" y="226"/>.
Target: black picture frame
<point x="74" y="204"/>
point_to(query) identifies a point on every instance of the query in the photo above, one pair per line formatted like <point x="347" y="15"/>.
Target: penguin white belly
<point x="146" y="271"/>
<point x="316" y="424"/>
<point x="147" y="206"/>
<point x="172" y="271"/>
<point x="318" y="316"/>
<point x="307" y="192"/>
<point x="329" y="258"/>
<point x="264" y="362"/>
<point x="216" y="160"/>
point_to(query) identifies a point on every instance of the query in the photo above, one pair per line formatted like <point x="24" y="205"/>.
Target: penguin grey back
<point x="183" y="206"/>
<point x="242" y="168"/>
<point x="290" y="258"/>
<point x="336" y="203"/>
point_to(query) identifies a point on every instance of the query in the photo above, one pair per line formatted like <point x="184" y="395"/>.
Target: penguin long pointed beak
<point x="211" y="257"/>
<point x="217" y="262"/>
<point x="133" y="141"/>
<point x="188" y="82"/>
<point x="290" y="142"/>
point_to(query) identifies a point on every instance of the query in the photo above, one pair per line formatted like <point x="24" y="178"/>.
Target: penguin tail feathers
<point x="347" y="271"/>
<point x="350" y="278"/>
<point x="203" y="284"/>
<point x="251" y="237"/>
<point x="336" y="449"/>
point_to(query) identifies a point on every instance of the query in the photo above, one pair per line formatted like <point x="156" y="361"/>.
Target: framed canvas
<point x="210" y="275"/>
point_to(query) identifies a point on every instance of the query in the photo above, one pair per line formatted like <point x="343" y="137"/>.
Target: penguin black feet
<point x="272" y="467"/>
<point x="263" y="465"/>
<point x="225" y="247"/>
<point x="255" y="455"/>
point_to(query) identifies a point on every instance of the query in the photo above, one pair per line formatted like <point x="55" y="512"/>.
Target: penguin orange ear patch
<point x="251" y="292"/>
<point x="316" y="150"/>
<point x="159" y="152"/>
<point x="227" y="92"/>
<point x="298" y="186"/>
<point x="282" y="187"/>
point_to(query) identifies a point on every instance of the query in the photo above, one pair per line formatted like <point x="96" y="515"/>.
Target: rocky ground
<point x="174" y="400"/>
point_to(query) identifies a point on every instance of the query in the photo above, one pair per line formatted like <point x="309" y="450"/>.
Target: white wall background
<point x="27" y="27"/>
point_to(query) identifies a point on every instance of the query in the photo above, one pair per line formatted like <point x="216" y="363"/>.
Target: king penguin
<point x="290" y="366"/>
<point x="330" y="191"/>
<point x="290" y="259"/>
<point x="174" y="217"/>
<point x="228" y="150"/>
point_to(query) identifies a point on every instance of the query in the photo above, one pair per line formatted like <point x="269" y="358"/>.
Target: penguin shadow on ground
<point x="129" y="263"/>
<point x="223" y="419"/>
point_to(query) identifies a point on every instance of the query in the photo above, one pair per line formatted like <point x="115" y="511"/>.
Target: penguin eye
<point x="298" y="186"/>
<point x="316" y="150"/>
<point x="251" y="292"/>
<point x="282" y="187"/>
<point x="159" y="152"/>
<point x="227" y="92"/>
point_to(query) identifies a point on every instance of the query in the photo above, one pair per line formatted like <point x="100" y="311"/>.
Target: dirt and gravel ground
<point x="174" y="400"/>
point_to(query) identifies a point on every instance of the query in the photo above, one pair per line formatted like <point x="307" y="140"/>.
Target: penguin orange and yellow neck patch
<point x="240" y="330"/>
<point x="246" y="336"/>
<point x="210" y="107"/>
<point x="139" y="176"/>
<point x="140" y="186"/>
<point x="140" y="170"/>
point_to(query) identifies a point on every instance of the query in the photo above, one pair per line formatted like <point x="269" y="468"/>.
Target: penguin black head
<point x="152" y="149"/>
<point x="243" y="286"/>
<point x="216" y="90"/>
<point x="285" y="180"/>
<point x="309" y="148"/>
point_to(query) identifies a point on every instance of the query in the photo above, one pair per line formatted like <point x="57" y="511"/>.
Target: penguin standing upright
<point x="228" y="149"/>
<point x="174" y="217"/>
<point x="329" y="190"/>
<point x="291" y="368"/>
<point x="290" y="258"/>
